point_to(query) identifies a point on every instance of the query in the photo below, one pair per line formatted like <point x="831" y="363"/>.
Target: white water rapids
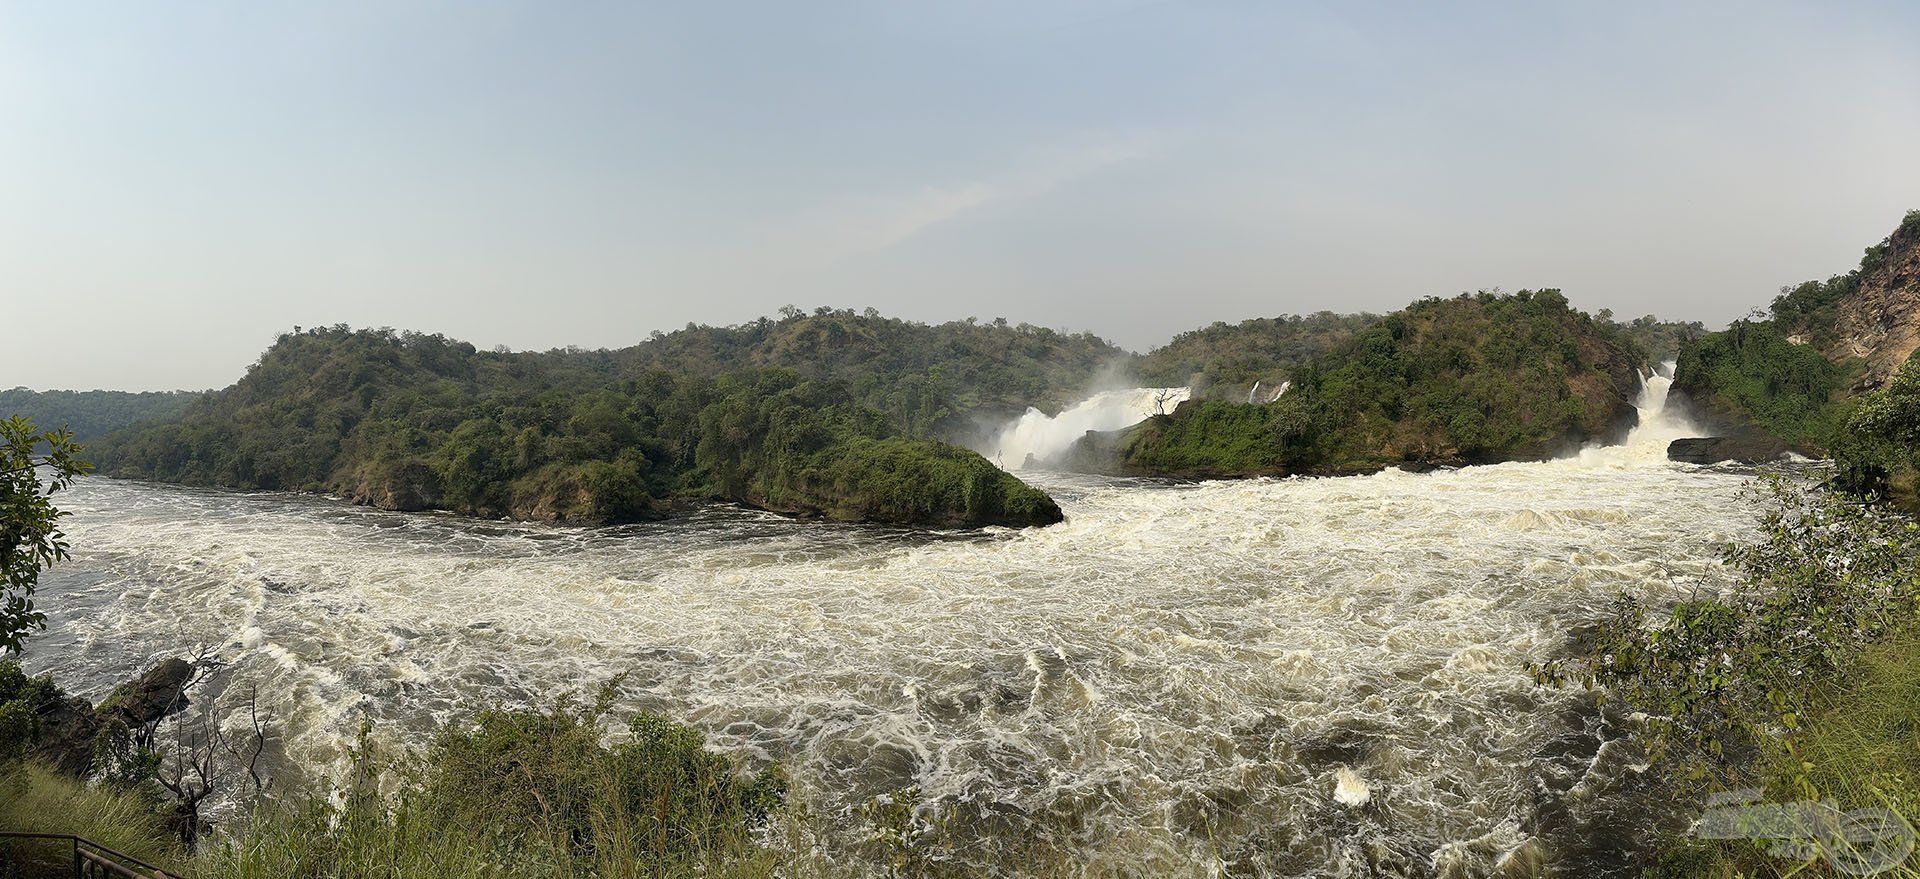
<point x="1305" y="677"/>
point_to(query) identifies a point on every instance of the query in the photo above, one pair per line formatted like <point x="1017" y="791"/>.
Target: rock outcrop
<point x="1880" y="322"/>
<point x="66" y="728"/>
<point x="152" y="696"/>
<point x="1755" y="449"/>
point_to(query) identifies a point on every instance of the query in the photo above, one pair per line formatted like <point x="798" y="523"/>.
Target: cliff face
<point x="1880" y="322"/>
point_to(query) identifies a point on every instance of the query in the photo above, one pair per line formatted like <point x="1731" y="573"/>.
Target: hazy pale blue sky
<point x="180" y="181"/>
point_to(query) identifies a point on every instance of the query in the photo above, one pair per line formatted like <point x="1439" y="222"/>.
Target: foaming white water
<point x="1659" y="425"/>
<point x="1036" y="437"/>
<point x="1177" y="675"/>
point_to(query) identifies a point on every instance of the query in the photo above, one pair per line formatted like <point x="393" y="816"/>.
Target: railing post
<point x="76" y="859"/>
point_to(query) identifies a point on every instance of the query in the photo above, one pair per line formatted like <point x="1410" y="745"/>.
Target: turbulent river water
<point x="1299" y="677"/>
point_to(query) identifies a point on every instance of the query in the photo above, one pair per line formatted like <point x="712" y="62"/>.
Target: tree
<point x="30" y="537"/>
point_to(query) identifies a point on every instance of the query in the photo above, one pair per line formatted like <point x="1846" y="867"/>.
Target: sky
<point x="180" y="182"/>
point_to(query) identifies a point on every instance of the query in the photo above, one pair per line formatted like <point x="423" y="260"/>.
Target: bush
<point x="546" y="777"/>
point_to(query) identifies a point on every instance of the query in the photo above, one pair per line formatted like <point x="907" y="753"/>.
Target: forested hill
<point x="90" y="414"/>
<point x="931" y="379"/>
<point x="413" y="421"/>
<point x="1472" y="379"/>
<point x="1223" y="361"/>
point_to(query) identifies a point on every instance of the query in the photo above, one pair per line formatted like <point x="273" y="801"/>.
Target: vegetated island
<point x="831" y="414"/>
<point x="1475" y="379"/>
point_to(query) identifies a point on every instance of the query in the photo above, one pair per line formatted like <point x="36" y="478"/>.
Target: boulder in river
<point x="152" y="696"/>
<point x="1715" y="449"/>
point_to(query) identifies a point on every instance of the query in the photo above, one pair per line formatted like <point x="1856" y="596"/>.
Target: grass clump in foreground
<point x="1805" y="682"/>
<point x="1859" y="748"/>
<point x="537" y="793"/>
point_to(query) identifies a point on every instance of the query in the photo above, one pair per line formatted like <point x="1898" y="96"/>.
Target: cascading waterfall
<point x="1253" y="393"/>
<point x="1657" y="426"/>
<point x="1036" y="438"/>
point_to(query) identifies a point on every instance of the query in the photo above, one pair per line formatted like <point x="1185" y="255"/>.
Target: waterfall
<point x="1037" y="438"/>
<point x="1657" y="426"/>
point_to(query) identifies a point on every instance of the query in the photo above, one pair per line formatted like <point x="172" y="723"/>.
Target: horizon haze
<point x="186" y="183"/>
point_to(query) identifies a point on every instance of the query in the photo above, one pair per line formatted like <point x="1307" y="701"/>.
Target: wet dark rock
<point x="67" y="729"/>
<point x="153" y="696"/>
<point x="1347" y="743"/>
<point x="1750" y="449"/>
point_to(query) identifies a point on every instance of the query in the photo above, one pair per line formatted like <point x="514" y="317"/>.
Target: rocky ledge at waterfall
<point x="1750" y="449"/>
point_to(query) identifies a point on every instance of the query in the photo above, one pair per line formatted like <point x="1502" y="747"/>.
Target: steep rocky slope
<point x="1879" y="321"/>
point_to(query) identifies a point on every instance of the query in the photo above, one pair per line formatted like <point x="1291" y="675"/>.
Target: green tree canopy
<point x="33" y="465"/>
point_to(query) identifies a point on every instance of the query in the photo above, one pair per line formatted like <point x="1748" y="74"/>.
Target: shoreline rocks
<point x="1715" y="449"/>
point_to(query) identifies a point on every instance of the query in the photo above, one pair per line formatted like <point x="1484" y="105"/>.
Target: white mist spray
<point x="1037" y="438"/>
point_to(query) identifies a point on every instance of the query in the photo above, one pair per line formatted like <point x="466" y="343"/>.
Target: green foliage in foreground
<point x="34" y="799"/>
<point x="1476" y="378"/>
<point x="1829" y="576"/>
<point x="30" y="537"/>
<point x="90" y="414"/>
<point x="1800" y="681"/>
<point x="407" y="421"/>
<point x="519" y="793"/>
<point x="1856" y="747"/>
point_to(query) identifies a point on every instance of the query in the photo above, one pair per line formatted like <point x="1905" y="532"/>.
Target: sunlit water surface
<point x="1179" y="674"/>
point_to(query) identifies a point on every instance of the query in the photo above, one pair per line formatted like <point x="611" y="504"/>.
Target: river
<point x="1293" y="677"/>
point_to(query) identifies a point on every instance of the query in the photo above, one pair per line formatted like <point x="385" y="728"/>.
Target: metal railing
<point x="92" y="860"/>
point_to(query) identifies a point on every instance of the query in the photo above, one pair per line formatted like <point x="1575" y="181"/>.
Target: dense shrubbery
<point x="409" y="421"/>
<point x="22" y="701"/>
<point x="1880" y="453"/>
<point x="1475" y="378"/>
<point x="1801" y="681"/>
<point x="89" y="414"/>
<point x="1751" y="374"/>
<point x="1829" y="575"/>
